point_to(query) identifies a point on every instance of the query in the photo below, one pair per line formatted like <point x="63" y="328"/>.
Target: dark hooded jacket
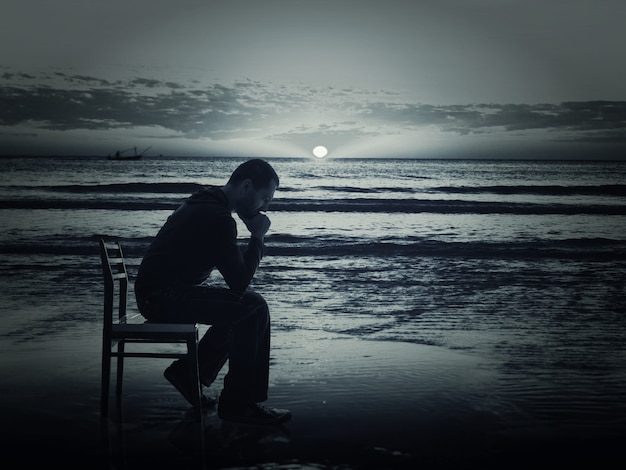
<point x="200" y="236"/>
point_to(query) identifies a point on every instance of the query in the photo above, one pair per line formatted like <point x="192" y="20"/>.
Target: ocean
<point x="521" y="264"/>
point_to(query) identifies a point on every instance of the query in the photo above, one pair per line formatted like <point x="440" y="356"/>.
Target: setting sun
<point x="320" y="151"/>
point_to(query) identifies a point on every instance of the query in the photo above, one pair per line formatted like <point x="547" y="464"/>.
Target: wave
<point x="87" y="204"/>
<point x="188" y="188"/>
<point x="361" y="205"/>
<point x="440" y="206"/>
<point x="126" y="188"/>
<point x="544" y="190"/>
<point x="583" y="248"/>
<point x="600" y="249"/>
<point x="361" y="190"/>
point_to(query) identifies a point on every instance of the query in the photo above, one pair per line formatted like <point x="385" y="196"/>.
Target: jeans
<point x="239" y="333"/>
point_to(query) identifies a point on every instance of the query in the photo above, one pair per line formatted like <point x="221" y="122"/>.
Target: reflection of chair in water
<point x="118" y="332"/>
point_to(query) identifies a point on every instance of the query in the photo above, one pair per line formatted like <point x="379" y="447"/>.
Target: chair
<point x="117" y="332"/>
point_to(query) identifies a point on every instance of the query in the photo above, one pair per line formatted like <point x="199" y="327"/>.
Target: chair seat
<point x="153" y="330"/>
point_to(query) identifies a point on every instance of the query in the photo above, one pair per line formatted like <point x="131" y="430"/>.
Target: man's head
<point x="258" y="171"/>
<point x="253" y="183"/>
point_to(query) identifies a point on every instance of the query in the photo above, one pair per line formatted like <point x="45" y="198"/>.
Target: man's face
<point x="255" y="200"/>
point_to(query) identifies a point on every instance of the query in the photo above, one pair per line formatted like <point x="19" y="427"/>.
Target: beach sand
<point x="355" y="404"/>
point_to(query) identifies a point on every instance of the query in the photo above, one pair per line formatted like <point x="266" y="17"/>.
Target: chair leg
<point x="105" y="381"/>
<point x="120" y="374"/>
<point x="192" y="348"/>
<point x="192" y="351"/>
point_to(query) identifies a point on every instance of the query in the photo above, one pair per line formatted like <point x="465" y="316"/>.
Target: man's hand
<point x="258" y="225"/>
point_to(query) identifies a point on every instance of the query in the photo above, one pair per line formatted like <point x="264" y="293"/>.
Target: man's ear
<point x="246" y="186"/>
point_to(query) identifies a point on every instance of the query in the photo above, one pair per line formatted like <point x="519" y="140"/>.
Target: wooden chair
<point x="117" y="332"/>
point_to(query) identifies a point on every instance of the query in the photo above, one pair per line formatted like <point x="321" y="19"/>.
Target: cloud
<point x="62" y="102"/>
<point x="582" y="119"/>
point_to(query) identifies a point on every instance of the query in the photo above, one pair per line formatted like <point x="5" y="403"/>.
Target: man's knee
<point x="257" y="305"/>
<point x="254" y="299"/>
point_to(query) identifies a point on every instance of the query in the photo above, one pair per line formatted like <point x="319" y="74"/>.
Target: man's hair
<point x="258" y="171"/>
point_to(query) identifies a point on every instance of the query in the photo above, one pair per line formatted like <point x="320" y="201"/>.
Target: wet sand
<point x="355" y="404"/>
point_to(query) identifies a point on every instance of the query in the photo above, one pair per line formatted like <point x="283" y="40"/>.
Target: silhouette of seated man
<point x="200" y="236"/>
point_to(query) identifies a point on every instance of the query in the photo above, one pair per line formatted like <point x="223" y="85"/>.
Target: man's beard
<point x="246" y="214"/>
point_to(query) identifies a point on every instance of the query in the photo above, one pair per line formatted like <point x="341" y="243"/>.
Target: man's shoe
<point x="253" y="414"/>
<point x="178" y="375"/>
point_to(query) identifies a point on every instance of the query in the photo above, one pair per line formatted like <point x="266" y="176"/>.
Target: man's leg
<point x="239" y="331"/>
<point x="247" y="321"/>
<point x="263" y="331"/>
<point x="213" y="351"/>
<point x="246" y="383"/>
<point x="248" y="371"/>
<point x="217" y="307"/>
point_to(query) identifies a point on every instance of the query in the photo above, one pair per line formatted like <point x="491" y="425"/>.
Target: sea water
<point x="522" y="263"/>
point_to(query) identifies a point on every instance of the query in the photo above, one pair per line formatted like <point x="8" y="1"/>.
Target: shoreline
<point x="356" y="404"/>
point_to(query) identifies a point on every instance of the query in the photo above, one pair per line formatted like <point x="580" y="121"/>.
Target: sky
<point x="392" y="78"/>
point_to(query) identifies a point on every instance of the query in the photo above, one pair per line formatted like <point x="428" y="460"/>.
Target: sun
<point x="320" y="151"/>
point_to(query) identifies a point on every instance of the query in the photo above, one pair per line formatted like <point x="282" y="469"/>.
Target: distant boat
<point x="119" y="155"/>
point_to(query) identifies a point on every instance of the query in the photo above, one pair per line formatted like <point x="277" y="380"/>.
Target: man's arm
<point x="257" y="225"/>
<point x="238" y="266"/>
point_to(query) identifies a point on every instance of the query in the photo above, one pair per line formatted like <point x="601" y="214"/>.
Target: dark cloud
<point x="122" y="105"/>
<point x="588" y="120"/>
<point x="215" y="111"/>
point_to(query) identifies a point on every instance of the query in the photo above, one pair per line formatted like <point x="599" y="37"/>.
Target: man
<point x="172" y="286"/>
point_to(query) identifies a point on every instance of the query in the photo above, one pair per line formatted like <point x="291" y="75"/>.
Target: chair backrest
<point x="114" y="271"/>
